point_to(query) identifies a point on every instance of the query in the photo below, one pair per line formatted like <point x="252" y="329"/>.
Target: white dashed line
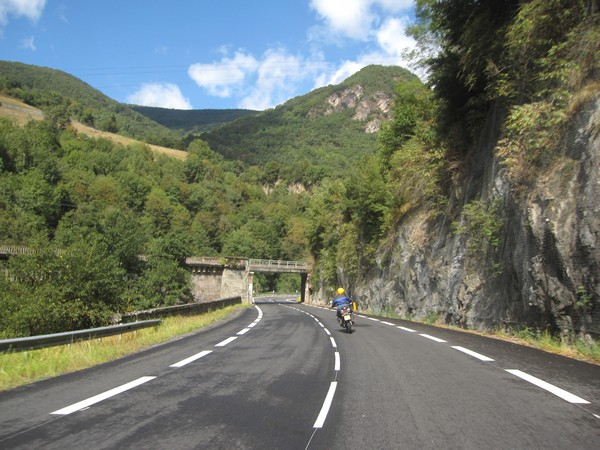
<point x="326" y="405"/>
<point x="549" y="387"/>
<point x="226" y="341"/>
<point x="472" y="353"/>
<point x="191" y="358"/>
<point x="433" y="338"/>
<point x="333" y="342"/>
<point x="242" y="332"/>
<point x="337" y="361"/>
<point x="98" y="398"/>
<point x="407" y="329"/>
<point x="387" y="323"/>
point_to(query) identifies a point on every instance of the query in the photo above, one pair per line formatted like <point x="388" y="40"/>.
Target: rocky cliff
<point x="543" y="273"/>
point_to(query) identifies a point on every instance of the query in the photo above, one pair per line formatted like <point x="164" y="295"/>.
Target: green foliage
<point x="481" y="224"/>
<point x="62" y="96"/>
<point x="74" y="287"/>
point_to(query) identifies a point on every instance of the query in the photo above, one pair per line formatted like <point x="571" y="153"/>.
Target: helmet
<point x="340" y="291"/>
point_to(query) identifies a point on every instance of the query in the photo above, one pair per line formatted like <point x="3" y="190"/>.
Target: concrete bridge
<point x="214" y="278"/>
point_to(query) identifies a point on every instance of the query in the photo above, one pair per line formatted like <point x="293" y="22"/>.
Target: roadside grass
<point x="20" y="368"/>
<point x="579" y="349"/>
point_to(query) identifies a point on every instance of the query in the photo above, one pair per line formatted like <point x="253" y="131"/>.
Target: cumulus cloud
<point x="31" y="9"/>
<point x="221" y="78"/>
<point x="163" y="95"/>
<point x="392" y="37"/>
<point x="355" y="19"/>
<point x="260" y="82"/>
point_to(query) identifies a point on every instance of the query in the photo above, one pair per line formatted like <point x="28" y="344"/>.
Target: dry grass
<point x="17" y="369"/>
<point x="28" y="113"/>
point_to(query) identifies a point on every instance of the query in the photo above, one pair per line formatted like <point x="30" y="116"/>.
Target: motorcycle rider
<point x="340" y="300"/>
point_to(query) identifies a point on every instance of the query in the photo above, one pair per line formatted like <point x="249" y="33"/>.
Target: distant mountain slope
<point x="328" y="127"/>
<point x="192" y="120"/>
<point x="46" y="88"/>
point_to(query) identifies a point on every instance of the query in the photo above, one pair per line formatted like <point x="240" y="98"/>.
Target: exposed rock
<point x="373" y="110"/>
<point x="544" y="275"/>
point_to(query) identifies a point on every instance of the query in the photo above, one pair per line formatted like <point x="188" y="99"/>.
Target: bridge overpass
<point x="215" y="277"/>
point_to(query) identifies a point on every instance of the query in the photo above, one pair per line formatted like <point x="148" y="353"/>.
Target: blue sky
<point x="201" y="54"/>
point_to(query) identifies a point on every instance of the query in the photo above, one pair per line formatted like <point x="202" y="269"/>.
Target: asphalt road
<point x="286" y="376"/>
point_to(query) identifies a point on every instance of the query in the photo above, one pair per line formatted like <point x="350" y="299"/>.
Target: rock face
<point x="372" y="109"/>
<point x="546" y="272"/>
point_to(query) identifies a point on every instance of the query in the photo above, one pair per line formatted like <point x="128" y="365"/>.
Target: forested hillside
<point x="480" y="209"/>
<point x="192" y="121"/>
<point x="63" y="96"/>
<point x="88" y="209"/>
<point x="319" y="134"/>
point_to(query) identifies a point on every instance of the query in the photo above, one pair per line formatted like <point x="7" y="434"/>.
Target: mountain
<point x="192" y="120"/>
<point x="50" y="89"/>
<point x="335" y="124"/>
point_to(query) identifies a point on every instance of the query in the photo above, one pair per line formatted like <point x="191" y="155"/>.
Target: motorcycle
<point x="347" y="318"/>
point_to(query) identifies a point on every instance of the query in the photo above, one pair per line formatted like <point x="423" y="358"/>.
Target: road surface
<point x="281" y="375"/>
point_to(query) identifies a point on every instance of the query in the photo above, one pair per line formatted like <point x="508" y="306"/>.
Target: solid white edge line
<point x="472" y="353"/>
<point x="326" y="405"/>
<point x="433" y="338"/>
<point x="226" y="341"/>
<point x="98" y="398"/>
<point x="333" y="342"/>
<point x="244" y="331"/>
<point x="407" y="329"/>
<point x="337" y="361"/>
<point x="571" y="398"/>
<point x="191" y="359"/>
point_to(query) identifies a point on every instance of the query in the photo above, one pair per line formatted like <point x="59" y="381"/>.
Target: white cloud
<point x="278" y="75"/>
<point x="350" y="18"/>
<point x="392" y="37"/>
<point x="28" y="44"/>
<point x="356" y="19"/>
<point x="223" y="77"/>
<point x="163" y="95"/>
<point x="31" y="9"/>
<point x="260" y="83"/>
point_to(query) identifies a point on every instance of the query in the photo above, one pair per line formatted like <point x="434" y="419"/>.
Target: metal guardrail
<point x="51" y="340"/>
<point x="277" y="264"/>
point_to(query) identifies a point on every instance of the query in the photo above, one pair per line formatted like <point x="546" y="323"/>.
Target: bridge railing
<point x="276" y="264"/>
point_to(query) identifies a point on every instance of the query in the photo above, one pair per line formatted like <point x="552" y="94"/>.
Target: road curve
<point x="283" y="375"/>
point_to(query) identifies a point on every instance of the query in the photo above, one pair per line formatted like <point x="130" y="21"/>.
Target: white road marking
<point x="373" y="319"/>
<point x="98" y="398"/>
<point x="252" y="325"/>
<point x="387" y="323"/>
<point x="326" y="405"/>
<point x="191" y="358"/>
<point x="327" y="331"/>
<point x="407" y="329"/>
<point x="472" y="353"/>
<point x="549" y="387"/>
<point x="433" y="338"/>
<point x="226" y="341"/>
<point x="333" y="342"/>
<point x="244" y="331"/>
<point x="337" y="361"/>
<point x="364" y="317"/>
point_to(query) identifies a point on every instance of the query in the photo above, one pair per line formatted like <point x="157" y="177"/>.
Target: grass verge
<point x="17" y="369"/>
